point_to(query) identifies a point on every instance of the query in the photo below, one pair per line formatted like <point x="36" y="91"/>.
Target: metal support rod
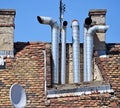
<point x="62" y="10"/>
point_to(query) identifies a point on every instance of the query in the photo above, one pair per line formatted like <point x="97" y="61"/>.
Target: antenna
<point x="17" y="96"/>
<point x="62" y="10"/>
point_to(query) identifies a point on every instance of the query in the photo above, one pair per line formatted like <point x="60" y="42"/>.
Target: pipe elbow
<point x="47" y="20"/>
<point x="98" y="28"/>
<point x="101" y="27"/>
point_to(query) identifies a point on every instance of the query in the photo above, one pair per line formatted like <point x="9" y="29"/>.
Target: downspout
<point x="76" y="51"/>
<point x="45" y="73"/>
<point x="89" y="49"/>
<point x="63" y="57"/>
<point x="55" y="52"/>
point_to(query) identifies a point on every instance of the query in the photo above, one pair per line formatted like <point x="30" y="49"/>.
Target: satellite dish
<point x="17" y="96"/>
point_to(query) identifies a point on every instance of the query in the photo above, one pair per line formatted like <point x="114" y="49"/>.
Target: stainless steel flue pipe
<point x="55" y="44"/>
<point x="89" y="49"/>
<point x="63" y="53"/>
<point x="76" y="51"/>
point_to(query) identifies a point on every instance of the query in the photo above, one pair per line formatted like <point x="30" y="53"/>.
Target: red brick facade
<point x="27" y="68"/>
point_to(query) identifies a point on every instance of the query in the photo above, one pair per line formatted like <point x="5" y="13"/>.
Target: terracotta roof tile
<point x="33" y="82"/>
<point x="110" y="69"/>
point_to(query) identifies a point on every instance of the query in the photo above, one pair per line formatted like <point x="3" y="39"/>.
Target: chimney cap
<point x="97" y="12"/>
<point x="7" y="11"/>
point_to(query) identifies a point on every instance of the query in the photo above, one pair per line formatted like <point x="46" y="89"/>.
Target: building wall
<point x="7" y="32"/>
<point x="98" y="17"/>
<point x="26" y="69"/>
<point x="84" y="101"/>
<point x="69" y="63"/>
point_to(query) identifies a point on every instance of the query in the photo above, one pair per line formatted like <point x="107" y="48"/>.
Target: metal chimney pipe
<point x="87" y="24"/>
<point x="89" y="49"/>
<point x="76" y="51"/>
<point x="63" y="57"/>
<point x="55" y="45"/>
<point x="85" y="55"/>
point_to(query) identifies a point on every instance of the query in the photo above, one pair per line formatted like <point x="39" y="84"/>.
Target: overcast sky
<point x="27" y="27"/>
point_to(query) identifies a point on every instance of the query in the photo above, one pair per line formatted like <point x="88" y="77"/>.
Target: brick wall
<point x="69" y="63"/>
<point x="109" y="68"/>
<point x="27" y="68"/>
<point x="85" y="101"/>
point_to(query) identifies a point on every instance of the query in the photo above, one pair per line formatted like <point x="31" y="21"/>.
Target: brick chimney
<point x="7" y="32"/>
<point x="98" y="18"/>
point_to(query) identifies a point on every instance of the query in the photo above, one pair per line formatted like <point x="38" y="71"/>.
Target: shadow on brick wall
<point x="18" y="46"/>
